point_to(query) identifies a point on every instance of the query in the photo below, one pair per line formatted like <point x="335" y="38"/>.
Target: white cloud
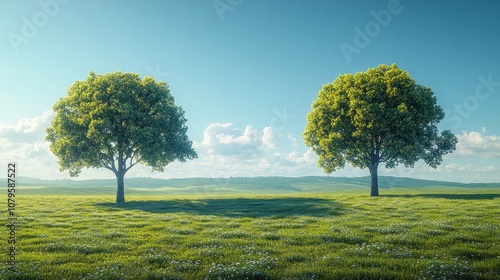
<point x="251" y="153"/>
<point x="26" y="138"/>
<point x="306" y="158"/>
<point x="26" y="128"/>
<point x="293" y="140"/>
<point x="476" y="144"/>
<point x="227" y="140"/>
<point x="271" y="139"/>
<point x="476" y="159"/>
<point x="24" y="143"/>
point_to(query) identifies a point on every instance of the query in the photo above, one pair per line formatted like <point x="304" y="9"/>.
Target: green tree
<point x="378" y="116"/>
<point x="116" y="121"/>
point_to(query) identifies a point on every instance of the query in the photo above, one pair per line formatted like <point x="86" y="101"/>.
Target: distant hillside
<point x="289" y="183"/>
<point x="234" y="185"/>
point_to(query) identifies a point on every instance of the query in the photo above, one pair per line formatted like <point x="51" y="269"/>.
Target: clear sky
<point x="247" y="71"/>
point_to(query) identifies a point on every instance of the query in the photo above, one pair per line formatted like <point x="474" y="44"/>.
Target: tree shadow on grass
<point x="237" y="207"/>
<point x="478" y="196"/>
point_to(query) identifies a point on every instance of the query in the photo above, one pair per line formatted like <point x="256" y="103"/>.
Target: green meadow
<point x="406" y="233"/>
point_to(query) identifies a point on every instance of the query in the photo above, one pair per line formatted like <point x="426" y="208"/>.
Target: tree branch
<point x="367" y="158"/>
<point x="111" y="158"/>
<point x="103" y="163"/>
<point x="131" y="165"/>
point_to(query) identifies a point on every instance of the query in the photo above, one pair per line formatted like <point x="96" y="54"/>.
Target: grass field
<point x="425" y="233"/>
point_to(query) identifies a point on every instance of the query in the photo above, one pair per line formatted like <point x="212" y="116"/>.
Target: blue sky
<point x="246" y="73"/>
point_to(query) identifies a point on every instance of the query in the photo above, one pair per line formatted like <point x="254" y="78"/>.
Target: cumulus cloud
<point x="299" y="158"/>
<point x="293" y="140"/>
<point x="252" y="152"/>
<point x="477" y="144"/>
<point x="27" y="128"/>
<point x="475" y="160"/>
<point x="26" y="138"/>
<point x="271" y="139"/>
<point x="24" y="143"/>
<point x="227" y="140"/>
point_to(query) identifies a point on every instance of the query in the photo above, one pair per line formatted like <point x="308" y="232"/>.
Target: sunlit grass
<point x="404" y="234"/>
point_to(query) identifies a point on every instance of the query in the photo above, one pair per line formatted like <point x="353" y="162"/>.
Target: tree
<point x="116" y="121"/>
<point x="378" y="116"/>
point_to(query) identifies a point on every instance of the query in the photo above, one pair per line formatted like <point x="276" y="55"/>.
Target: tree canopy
<point x="378" y="116"/>
<point x="116" y="121"/>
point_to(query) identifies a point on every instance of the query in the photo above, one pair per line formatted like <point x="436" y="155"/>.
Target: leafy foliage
<point x="378" y="116"/>
<point x="116" y="121"/>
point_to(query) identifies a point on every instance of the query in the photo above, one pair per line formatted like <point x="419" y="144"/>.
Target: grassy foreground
<point x="404" y="234"/>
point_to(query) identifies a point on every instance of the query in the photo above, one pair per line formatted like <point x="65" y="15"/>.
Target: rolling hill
<point x="232" y="185"/>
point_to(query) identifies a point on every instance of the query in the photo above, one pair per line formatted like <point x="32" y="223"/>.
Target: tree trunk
<point x="120" y="176"/>
<point x="120" y="191"/>
<point x="374" y="175"/>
